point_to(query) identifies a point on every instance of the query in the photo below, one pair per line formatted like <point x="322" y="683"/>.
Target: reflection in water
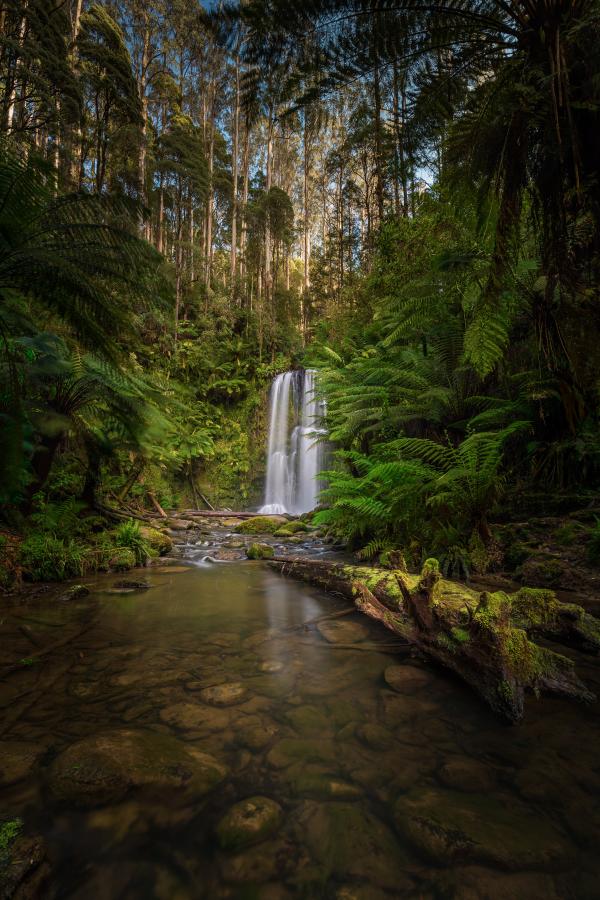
<point x="385" y="778"/>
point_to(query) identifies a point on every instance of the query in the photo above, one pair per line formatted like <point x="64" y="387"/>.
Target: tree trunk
<point x="234" y="189"/>
<point x="486" y="639"/>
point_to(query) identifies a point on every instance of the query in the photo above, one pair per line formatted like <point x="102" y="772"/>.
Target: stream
<point x="198" y="740"/>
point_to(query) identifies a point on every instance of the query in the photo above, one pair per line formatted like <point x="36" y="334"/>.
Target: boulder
<point x="261" y="525"/>
<point x="158" y="540"/>
<point x="342" y="632"/>
<point x="249" y="822"/>
<point x="103" y="768"/>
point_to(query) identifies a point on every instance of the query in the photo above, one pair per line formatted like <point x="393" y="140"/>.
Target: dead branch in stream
<point x="487" y="639"/>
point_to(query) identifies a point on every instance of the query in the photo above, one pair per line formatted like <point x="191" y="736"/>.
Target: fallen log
<point x="487" y="639"/>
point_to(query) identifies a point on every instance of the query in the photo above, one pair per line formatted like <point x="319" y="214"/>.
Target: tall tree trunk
<point x="142" y="88"/>
<point x="234" y="190"/>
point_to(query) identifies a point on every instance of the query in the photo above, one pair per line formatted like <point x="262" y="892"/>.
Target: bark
<point x="486" y="639"/>
<point x="234" y="189"/>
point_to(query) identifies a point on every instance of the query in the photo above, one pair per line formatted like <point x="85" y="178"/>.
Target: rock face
<point x="260" y="551"/>
<point x="249" y="822"/>
<point x="105" y="767"/>
<point x="449" y="827"/>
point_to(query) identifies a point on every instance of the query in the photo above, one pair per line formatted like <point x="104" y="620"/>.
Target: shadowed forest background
<point x="404" y="196"/>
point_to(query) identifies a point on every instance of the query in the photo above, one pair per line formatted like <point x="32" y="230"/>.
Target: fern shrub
<point x="48" y="558"/>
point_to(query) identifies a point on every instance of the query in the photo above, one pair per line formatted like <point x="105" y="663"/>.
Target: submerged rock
<point x="17" y="760"/>
<point x="343" y="632"/>
<point x="74" y="592"/>
<point x="224" y="694"/>
<point x="349" y="842"/>
<point x="406" y="679"/>
<point x="467" y="774"/>
<point x="104" y="767"/>
<point x="249" y="822"/>
<point x="195" y="717"/>
<point x="131" y="585"/>
<point x="308" y="720"/>
<point x="375" y="736"/>
<point x="449" y="827"/>
<point x="256" y="737"/>
<point x="24" y="866"/>
<point x="325" y="787"/>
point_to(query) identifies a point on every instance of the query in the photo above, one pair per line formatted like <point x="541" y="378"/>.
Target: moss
<point x="9" y="832"/>
<point x="157" y="541"/>
<point x="260" y="551"/>
<point x="260" y="525"/>
<point x="461" y="635"/>
<point x="122" y="559"/>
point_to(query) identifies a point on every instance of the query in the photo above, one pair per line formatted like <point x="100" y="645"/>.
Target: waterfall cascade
<point x="294" y="456"/>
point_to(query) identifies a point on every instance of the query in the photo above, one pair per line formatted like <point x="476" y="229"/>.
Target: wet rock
<point x="132" y="585"/>
<point x="180" y="524"/>
<point x="325" y="787"/>
<point x="74" y="592"/>
<point x="289" y="751"/>
<point x="268" y="861"/>
<point x="291" y="528"/>
<point x="195" y="717"/>
<point x="256" y="737"/>
<point x="406" y="679"/>
<point x="375" y="736"/>
<point x="249" y="822"/>
<point x="308" y="720"/>
<point x="449" y="827"/>
<point x="224" y="694"/>
<point x="340" y="632"/>
<point x="476" y="883"/>
<point x="24" y="866"/>
<point x="360" y="892"/>
<point x="270" y="666"/>
<point x="260" y="551"/>
<point x="225" y="555"/>
<point x="160" y="542"/>
<point x="17" y="758"/>
<point x="463" y="773"/>
<point x="349" y="842"/>
<point x="105" y="767"/>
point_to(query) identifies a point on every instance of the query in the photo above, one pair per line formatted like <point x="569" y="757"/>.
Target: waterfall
<point x="294" y="457"/>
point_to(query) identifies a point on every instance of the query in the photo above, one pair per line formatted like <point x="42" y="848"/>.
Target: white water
<point x="294" y="457"/>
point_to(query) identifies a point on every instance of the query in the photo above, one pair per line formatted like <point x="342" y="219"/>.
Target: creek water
<point x="391" y="778"/>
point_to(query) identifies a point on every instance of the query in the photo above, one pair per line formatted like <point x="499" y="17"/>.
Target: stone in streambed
<point x="466" y="774"/>
<point x="261" y="525"/>
<point x="342" y="632"/>
<point x="270" y="666"/>
<point x="132" y="585"/>
<point x="325" y="787"/>
<point x="406" y="679"/>
<point x="349" y="842"/>
<point x="249" y="822"/>
<point x="256" y="737"/>
<point x="195" y="717"/>
<point x="260" y="551"/>
<point x="74" y="592"/>
<point x="17" y="759"/>
<point x="224" y="694"/>
<point x="375" y="736"/>
<point x="308" y="720"/>
<point x="160" y="542"/>
<point x="449" y="827"/>
<point x="105" y="767"/>
<point x="289" y="751"/>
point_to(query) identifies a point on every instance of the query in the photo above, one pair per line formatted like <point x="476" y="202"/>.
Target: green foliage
<point x="48" y="558"/>
<point x="129" y="537"/>
<point x="10" y="830"/>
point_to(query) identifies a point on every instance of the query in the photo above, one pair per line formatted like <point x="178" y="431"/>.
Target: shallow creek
<point x="380" y="776"/>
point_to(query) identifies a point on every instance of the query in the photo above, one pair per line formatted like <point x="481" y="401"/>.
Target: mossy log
<point x="485" y="638"/>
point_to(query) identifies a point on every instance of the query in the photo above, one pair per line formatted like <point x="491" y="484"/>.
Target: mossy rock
<point x="122" y="559"/>
<point x="158" y="541"/>
<point x="103" y="768"/>
<point x="74" y="592"/>
<point x="260" y="551"/>
<point x="24" y="867"/>
<point x="450" y="827"/>
<point x="308" y="720"/>
<point x="249" y="822"/>
<point x="261" y="525"/>
<point x="291" y="528"/>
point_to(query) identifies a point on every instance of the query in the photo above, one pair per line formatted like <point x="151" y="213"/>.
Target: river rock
<point x="449" y="827"/>
<point x="337" y="632"/>
<point x="477" y="883"/>
<point x="290" y="750"/>
<point x="24" y="866"/>
<point x="256" y="737"/>
<point x="17" y="758"/>
<point x="308" y="720"/>
<point x="104" y="767"/>
<point x="160" y="542"/>
<point x="260" y="551"/>
<point x="360" y="892"/>
<point x="74" y="592"/>
<point x="224" y="694"/>
<point x="132" y="585"/>
<point x="406" y="679"/>
<point x="375" y="736"/>
<point x="463" y="773"/>
<point x="325" y="787"/>
<point x="249" y="822"/>
<point x="270" y="666"/>
<point x="261" y="525"/>
<point x="270" y="860"/>
<point x="349" y="842"/>
<point x="195" y="717"/>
